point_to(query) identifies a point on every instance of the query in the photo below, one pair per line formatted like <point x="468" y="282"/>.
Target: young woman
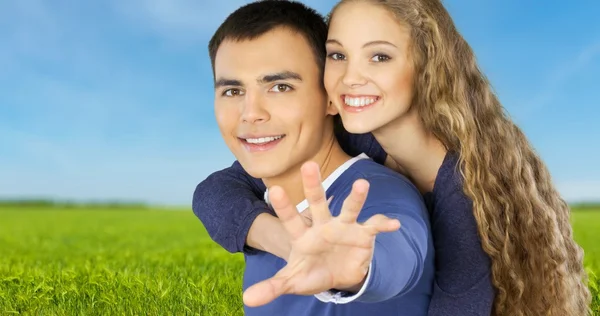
<point x="400" y="71"/>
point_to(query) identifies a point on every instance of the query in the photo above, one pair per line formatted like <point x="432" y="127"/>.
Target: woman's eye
<point x="380" y="58"/>
<point x="336" y="56"/>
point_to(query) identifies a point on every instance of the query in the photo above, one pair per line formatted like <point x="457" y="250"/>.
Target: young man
<point x="273" y="114"/>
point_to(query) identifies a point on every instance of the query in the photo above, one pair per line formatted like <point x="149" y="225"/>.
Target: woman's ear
<point x="331" y="109"/>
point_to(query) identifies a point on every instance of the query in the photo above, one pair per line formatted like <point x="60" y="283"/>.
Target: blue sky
<point x="113" y="99"/>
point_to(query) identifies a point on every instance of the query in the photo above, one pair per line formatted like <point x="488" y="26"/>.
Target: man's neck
<point x="417" y="152"/>
<point x="329" y="158"/>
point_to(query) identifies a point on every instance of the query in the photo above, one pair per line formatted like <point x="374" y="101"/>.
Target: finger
<point x="264" y="292"/>
<point x="306" y="217"/>
<point x="380" y="223"/>
<point x="314" y="193"/>
<point x="287" y="213"/>
<point x="354" y="202"/>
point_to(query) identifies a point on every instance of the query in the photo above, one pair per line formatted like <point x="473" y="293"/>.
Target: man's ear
<point x="331" y="109"/>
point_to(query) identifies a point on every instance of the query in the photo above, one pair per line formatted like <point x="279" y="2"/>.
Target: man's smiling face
<point x="270" y="105"/>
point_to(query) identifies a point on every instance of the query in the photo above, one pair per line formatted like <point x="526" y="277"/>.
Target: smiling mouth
<point x="262" y="140"/>
<point x="359" y="103"/>
<point x="260" y="144"/>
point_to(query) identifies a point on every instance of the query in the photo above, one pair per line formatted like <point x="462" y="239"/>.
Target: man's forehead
<point x="272" y="52"/>
<point x="260" y="73"/>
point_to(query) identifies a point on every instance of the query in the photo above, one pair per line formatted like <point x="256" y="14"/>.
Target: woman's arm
<point x="230" y="203"/>
<point x="229" y="206"/>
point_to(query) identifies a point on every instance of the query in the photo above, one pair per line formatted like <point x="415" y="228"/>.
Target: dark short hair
<point x="255" y="19"/>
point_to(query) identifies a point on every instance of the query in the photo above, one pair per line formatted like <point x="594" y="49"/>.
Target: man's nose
<point x="253" y="110"/>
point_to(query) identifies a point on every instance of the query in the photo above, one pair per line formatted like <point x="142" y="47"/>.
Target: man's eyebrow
<point x="224" y="82"/>
<point x="379" y="42"/>
<point x="284" y="75"/>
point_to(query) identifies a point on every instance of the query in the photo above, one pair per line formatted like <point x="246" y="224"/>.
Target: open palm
<point x="335" y="252"/>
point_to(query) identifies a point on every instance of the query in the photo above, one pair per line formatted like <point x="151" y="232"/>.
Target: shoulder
<point x="448" y="192"/>
<point x="388" y="190"/>
<point x="449" y="177"/>
<point x="383" y="181"/>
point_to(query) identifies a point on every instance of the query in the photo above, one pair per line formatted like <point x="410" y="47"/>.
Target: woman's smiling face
<point x="368" y="72"/>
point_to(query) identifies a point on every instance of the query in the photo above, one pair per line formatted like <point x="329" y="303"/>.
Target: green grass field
<point x="134" y="262"/>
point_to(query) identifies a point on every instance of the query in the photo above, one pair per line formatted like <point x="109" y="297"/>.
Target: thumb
<point x="265" y="291"/>
<point x="379" y="223"/>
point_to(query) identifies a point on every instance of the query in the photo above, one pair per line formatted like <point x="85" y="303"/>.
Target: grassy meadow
<point x="70" y="261"/>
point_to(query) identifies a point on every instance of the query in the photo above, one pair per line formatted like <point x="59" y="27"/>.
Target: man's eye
<point x="281" y="88"/>
<point x="232" y="92"/>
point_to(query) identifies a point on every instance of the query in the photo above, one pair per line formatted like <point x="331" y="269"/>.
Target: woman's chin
<point x="358" y="125"/>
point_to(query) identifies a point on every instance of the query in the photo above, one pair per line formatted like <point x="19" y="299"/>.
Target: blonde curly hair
<point x="537" y="267"/>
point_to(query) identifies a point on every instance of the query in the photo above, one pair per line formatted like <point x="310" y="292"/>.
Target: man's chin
<point x="263" y="170"/>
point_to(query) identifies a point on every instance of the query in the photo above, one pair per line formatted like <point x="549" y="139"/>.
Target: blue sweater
<point x="228" y="201"/>
<point x="402" y="270"/>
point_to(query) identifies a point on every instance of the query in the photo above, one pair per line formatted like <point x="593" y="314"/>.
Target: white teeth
<point x="263" y="140"/>
<point x="356" y="102"/>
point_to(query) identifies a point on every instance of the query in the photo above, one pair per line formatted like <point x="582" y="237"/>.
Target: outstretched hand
<point x="335" y="252"/>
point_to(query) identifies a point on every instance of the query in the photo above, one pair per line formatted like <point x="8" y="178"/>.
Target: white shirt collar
<point x="328" y="181"/>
